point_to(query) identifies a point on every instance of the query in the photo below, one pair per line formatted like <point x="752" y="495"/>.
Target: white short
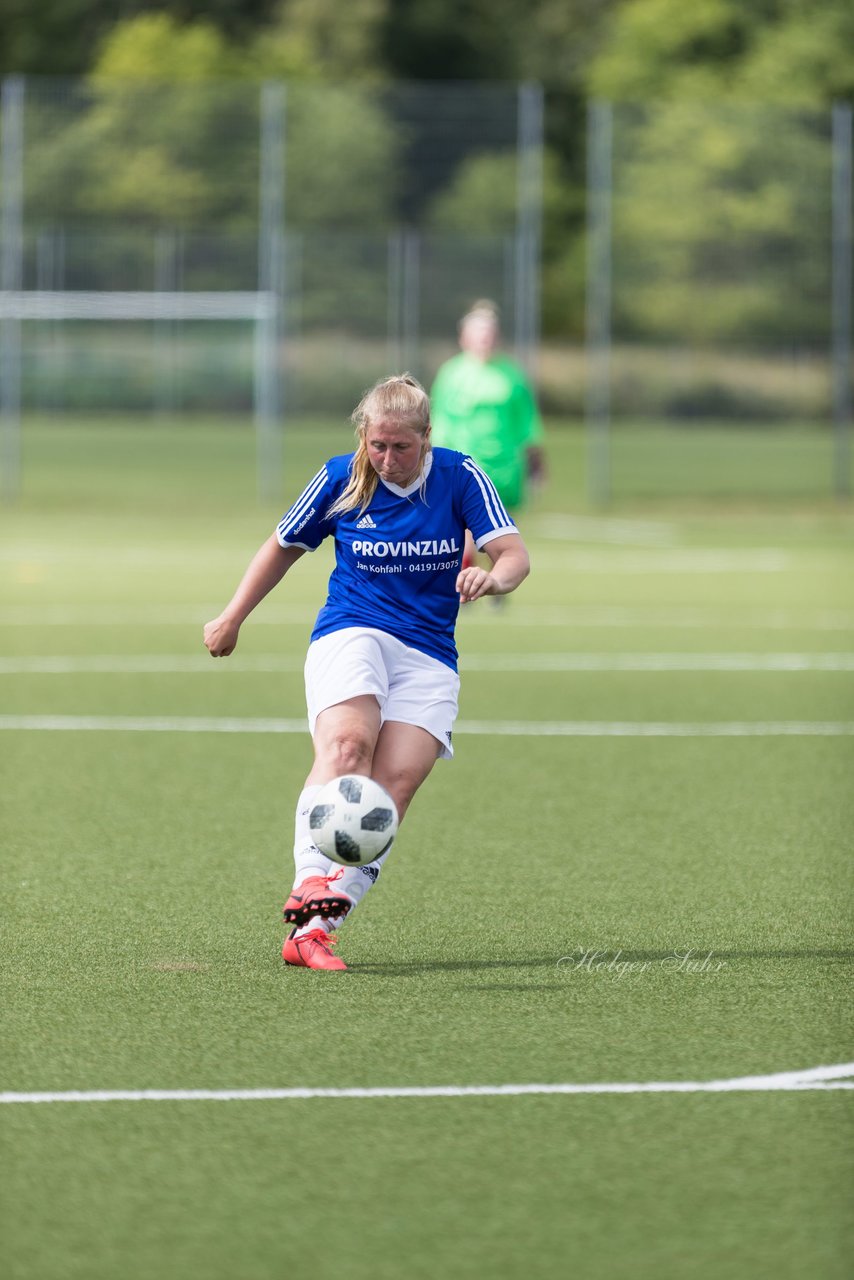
<point x="410" y="686"/>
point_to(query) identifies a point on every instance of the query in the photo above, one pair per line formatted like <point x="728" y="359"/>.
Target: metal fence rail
<point x="719" y="285"/>
<point x="338" y="221"/>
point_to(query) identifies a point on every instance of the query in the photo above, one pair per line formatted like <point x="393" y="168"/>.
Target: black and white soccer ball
<point x="353" y="820"/>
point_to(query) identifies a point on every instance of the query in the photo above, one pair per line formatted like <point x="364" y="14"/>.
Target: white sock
<point x="355" y="882"/>
<point x="308" y="860"/>
<point x="316" y="922"/>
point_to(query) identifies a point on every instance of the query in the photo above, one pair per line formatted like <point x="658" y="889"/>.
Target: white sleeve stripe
<point x="496" y="533"/>
<point x="494" y="505"/>
<point x="302" y="503"/>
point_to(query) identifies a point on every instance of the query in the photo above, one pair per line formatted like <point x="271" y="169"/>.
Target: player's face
<point x="395" y="450"/>
<point x="479" y="337"/>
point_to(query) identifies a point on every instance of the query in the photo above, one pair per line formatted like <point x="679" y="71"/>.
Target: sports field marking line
<point x="608" y="530"/>
<point x="503" y="728"/>
<point x="645" y="560"/>
<point x="518" y="615"/>
<point x="655" y="561"/>
<point x="187" y="664"/>
<point x="824" y="1078"/>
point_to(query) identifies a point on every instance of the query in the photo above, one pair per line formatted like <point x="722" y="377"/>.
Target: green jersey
<point x="487" y="409"/>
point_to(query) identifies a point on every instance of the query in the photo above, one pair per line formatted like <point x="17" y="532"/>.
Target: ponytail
<point x="401" y="398"/>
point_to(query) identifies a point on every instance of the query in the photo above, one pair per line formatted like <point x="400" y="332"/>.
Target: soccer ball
<point x="353" y="820"/>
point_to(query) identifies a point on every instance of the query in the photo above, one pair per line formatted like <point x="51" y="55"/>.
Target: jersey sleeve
<point x="483" y="511"/>
<point x="305" y="524"/>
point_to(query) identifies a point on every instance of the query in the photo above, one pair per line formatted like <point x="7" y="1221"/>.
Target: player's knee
<point x="349" y="751"/>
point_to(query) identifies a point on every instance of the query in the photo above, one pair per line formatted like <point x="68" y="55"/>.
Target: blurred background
<point x="249" y="212"/>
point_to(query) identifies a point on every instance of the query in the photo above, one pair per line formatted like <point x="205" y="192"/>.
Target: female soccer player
<point x="381" y="672"/>
<point x="484" y="405"/>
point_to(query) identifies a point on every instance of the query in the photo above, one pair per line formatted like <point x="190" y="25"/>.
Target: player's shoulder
<point x="338" y="468"/>
<point x="509" y="366"/>
<point x="449" y="369"/>
<point x="454" y="469"/>
<point x="446" y="459"/>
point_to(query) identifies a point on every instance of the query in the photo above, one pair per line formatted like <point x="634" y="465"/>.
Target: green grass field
<point x="144" y="872"/>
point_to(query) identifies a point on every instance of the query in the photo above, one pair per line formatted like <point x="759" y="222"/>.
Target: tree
<point x="720" y="224"/>
<point x="324" y="39"/>
<point x="62" y="37"/>
<point x="168" y="136"/>
<point x="721" y="206"/>
<point x="781" y="51"/>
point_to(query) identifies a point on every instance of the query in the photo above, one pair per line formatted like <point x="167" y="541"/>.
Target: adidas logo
<point x="366" y="522"/>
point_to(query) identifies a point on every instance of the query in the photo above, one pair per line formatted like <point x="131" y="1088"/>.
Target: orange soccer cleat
<point x="311" y="951"/>
<point x="315" y="897"/>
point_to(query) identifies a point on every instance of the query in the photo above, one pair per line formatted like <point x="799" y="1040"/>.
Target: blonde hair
<point x="483" y="309"/>
<point x="401" y="398"/>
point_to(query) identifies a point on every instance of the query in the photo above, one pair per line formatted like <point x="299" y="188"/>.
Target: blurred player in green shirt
<point x="483" y="405"/>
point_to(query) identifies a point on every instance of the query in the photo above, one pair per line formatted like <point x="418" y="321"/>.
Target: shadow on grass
<point x="587" y="957"/>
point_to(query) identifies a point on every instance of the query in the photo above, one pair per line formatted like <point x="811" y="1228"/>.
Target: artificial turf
<point x="143" y="875"/>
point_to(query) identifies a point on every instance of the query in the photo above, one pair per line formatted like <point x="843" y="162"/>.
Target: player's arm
<point x="266" y="569"/>
<point x="535" y="462"/>
<point x="510" y="566"/>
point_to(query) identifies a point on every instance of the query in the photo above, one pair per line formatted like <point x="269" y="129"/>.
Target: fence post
<point x="529" y="215"/>
<point x="165" y="331"/>
<point x="598" y="301"/>
<point x="841" y="275"/>
<point x="11" y="279"/>
<point x="268" y="323"/>
<point x="394" y="301"/>
<point x="411" y="300"/>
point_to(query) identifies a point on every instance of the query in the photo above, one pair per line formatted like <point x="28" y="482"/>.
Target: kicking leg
<point x="344" y="739"/>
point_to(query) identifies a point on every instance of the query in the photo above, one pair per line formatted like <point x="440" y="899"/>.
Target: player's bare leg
<point x="344" y="739"/>
<point x="402" y="758"/>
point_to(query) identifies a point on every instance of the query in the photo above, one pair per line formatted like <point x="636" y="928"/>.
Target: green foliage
<point x="720" y="224"/>
<point x="184" y="154"/>
<point x="653" y="45"/>
<point x="780" y="51"/>
<point x="154" y="46"/>
<point x="808" y="58"/>
<point x="323" y="39"/>
<point x="481" y="198"/>
<point x="62" y="37"/>
<point x="722" y="212"/>
<point x="157" y="157"/>
<point x="341" y="157"/>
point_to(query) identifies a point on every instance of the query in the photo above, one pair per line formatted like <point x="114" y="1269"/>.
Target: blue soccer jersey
<point x="396" y="562"/>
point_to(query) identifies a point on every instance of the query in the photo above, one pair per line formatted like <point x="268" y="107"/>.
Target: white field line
<point x="184" y="664"/>
<point x="147" y="664"/>
<point x="518" y="614"/>
<point x="501" y="728"/>
<point x="646" y="560"/>
<point x="600" y="529"/>
<point x="659" y="662"/>
<point x="665" y="562"/>
<point x="824" y="1078"/>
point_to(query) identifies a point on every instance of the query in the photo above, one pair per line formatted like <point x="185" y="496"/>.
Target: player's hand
<point x="221" y="636"/>
<point x="474" y="582"/>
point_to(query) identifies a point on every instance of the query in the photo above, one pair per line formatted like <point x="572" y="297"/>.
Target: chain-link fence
<point x="224" y="248"/>
<point x="280" y="246"/>
<point x="719" y="299"/>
